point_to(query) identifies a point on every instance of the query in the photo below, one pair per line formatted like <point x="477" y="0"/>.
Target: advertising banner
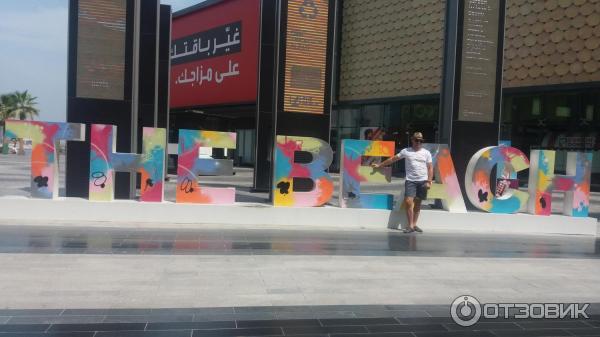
<point x="101" y="49"/>
<point x="479" y="61"/>
<point x="306" y="56"/>
<point x="214" y="55"/>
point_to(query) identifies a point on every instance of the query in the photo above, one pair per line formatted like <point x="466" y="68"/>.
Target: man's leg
<point x="421" y="195"/>
<point x="416" y="211"/>
<point x="409" y="204"/>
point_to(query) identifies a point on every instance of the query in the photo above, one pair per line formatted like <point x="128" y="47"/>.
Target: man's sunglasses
<point x="418" y="140"/>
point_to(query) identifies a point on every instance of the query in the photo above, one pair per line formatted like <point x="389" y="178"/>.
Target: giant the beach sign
<point x="502" y="197"/>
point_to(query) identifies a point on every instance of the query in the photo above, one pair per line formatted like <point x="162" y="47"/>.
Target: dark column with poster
<point x="472" y="79"/>
<point x="296" y="98"/>
<point x="113" y="76"/>
<point x="266" y="102"/>
<point x="153" y="95"/>
<point x="100" y="83"/>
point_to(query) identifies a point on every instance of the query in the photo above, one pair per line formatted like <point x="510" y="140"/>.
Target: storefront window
<point x="559" y="108"/>
<point x="506" y="112"/>
<point x="525" y="108"/>
<point x="345" y="124"/>
<point x="425" y="112"/>
<point x="348" y="117"/>
<point x="557" y="121"/>
<point x="591" y="112"/>
<point x="334" y="118"/>
<point x="372" y="115"/>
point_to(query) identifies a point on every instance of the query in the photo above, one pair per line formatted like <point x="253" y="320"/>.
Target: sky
<point x="33" y="52"/>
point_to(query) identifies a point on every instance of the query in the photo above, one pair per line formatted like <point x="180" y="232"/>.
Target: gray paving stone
<point x="349" y="284"/>
<point x="393" y="313"/>
<point x="149" y="318"/>
<point x="295" y="315"/>
<point x="126" y="319"/>
<point x="271" y="309"/>
<point x="438" y="312"/>
<point x="55" y="319"/>
<point x="594" y="309"/>
<point x="353" y="308"/>
<point x="317" y="314"/>
<point x="234" y="317"/>
<point x="30" y="312"/>
<point x="178" y="311"/>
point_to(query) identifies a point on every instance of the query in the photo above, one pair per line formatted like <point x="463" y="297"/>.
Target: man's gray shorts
<point x="415" y="189"/>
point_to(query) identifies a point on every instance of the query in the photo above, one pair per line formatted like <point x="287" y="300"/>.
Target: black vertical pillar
<point x="147" y="109"/>
<point x="449" y="75"/>
<point x="164" y="66"/>
<point x="266" y="104"/>
<point x="472" y="78"/>
<point x="295" y="76"/>
<point x="95" y="94"/>
<point x="298" y="116"/>
<point x="148" y="67"/>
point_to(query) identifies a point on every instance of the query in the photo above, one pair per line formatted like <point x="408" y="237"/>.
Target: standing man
<point x="419" y="176"/>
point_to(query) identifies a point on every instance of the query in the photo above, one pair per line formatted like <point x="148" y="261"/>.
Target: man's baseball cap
<point x="417" y="135"/>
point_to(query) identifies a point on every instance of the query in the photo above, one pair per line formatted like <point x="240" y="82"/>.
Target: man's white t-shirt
<point x="416" y="163"/>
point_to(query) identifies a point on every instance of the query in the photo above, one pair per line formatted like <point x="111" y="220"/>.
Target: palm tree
<point x="5" y="106"/>
<point x="22" y="105"/>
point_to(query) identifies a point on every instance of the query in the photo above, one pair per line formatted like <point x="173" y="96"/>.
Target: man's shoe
<point x="408" y="230"/>
<point x="417" y="229"/>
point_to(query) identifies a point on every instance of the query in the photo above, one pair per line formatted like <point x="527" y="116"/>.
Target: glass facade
<point x="568" y="120"/>
<point x="562" y="121"/>
<point x="397" y="119"/>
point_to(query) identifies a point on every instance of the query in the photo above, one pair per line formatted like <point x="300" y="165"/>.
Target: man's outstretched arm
<point x="386" y="162"/>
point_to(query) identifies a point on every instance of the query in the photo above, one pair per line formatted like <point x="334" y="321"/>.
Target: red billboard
<point x="214" y="55"/>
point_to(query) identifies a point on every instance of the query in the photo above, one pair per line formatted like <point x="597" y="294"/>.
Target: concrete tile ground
<point x="41" y="281"/>
<point x="81" y="267"/>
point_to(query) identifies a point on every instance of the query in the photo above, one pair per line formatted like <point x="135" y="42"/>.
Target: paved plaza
<point x="249" y="282"/>
<point x="125" y="279"/>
